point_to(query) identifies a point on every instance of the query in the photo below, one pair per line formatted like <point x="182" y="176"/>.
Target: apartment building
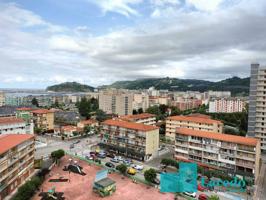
<point x="2" y="98"/>
<point x="191" y="122"/>
<point x="143" y="118"/>
<point x="257" y="104"/>
<point x="13" y="125"/>
<point x="140" y="101"/>
<point x="134" y="140"/>
<point x="186" y="103"/>
<point x="226" y="105"/>
<point x="89" y="122"/>
<point x="118" y="102"/>
<point x="234" y="154"/>
<point x="16" y="161"/>
<point x="43" y="119"/>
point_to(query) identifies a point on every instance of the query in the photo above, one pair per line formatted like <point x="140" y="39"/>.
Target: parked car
<point x="137" y="167"/>
<point x="127" y="162"/>
<point x="115" y="160"/>
<point x="110" y="155"/>
<point x="109" y="164"/>
<point x="203" y="197"/>
<point x="131" y="171"/>
<point x="120" y="158"/>
<point x="201" y="188"/>
<point x="101" y="155"/>
<point x="89" y="157"/>
<point x="156" y="181"/>
<point x="71" y="146"/>
<point x="191" y="194"/>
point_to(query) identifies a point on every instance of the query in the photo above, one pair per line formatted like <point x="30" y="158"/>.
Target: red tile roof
<point x="138" y="116"/>
<point x="202" y="120"/>
<point x="42" y="111"/>
<point x="10" y="120"/>
<point x="24" y="109"/>
<point x="218" y="136"/>
<point x="130" y="125"/>
<point x="88" y="122"/>
<point x="9" y="141"/>
<point x="68" y="128"/>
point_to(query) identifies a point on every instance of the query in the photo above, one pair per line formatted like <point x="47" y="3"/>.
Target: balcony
<point x="245" y="164"/>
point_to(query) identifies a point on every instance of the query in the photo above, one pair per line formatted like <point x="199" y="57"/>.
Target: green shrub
<point x="150" y="175"/>
<point x="122" y="168"/>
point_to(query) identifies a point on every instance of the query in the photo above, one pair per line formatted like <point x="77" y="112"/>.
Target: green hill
<point x="70" y="87"/>
<point x="235" y="84"/>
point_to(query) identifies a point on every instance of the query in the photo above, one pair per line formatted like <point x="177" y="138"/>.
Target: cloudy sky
<point x="100" y="41"/>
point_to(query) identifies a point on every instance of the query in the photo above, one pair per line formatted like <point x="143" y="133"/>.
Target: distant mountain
<point x="235" y="84"/>
<point x="70" y="87"/>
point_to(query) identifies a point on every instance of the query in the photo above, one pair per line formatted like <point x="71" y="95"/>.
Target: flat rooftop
<point x="80" y="187"/>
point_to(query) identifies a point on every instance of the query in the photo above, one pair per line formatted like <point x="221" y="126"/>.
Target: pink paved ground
<point x="80" y="187"/>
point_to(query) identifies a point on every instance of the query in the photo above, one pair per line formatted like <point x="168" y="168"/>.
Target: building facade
<point x="143" y="118"/>
<point x="226" y="105"/>
<point x="13" y="125"/>
<point x="16" y="161"/>
<point x="43" y="119"/>
<point x="2" y="98"/>
<point x="134" y="140"/>
<point x="234" y="154"/>
<point x="116" y="102"/>
<point x="257" y="104"/>
<point x="140" y="100"/>
<point x="191" y="122"/>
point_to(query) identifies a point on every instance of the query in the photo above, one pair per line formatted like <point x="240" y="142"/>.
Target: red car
<point x="201" y="188"/>
<point x="203" y="197"/>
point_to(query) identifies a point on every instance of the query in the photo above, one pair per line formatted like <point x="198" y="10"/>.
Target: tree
<point x="213" y="197"/>
<point x="37" y="130"/>
<point x="101" y="115"/>
<point x="122" y="168"/>
<point x="150" y="175"/>
<point x="35" y="102"/>
<point x="57" y="155"/>
<point x="169" y="162"/>
<point x="135" y="112"/>
<point x="84" y="107"/>
<point x="140" y="110"/>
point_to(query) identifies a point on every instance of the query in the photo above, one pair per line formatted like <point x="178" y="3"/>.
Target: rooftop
<point x="88" y="122"/>
<point x="42" y="111"/>
<point x="136" y="117"/>
<point x="10" y="120"/>
<point x="25" y="109"/>
<point x="105" y="182"/>
<point x="9" y="141"/>
<point x="197" y="119"/>
<point x="68" y="128"/>
<point x="130" y="125"/>
<point x="218" y="136"/>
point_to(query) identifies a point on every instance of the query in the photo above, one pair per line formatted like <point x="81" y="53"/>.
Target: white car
<point x="191" y="194"/>
<point x="119" y="158"/>
<point x="137" y="167"/>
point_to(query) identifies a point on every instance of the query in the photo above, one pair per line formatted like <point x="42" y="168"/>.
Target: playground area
<point x="70" y="186"/>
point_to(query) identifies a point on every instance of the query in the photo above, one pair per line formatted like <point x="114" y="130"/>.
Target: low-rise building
<point x="234" y="154"/>
<point x="134" y="140"/>
<point x="191" y="122"/>
<point x="16" y="161"/>
<point x="226" y="105"/>
<point x="13" y="125"/>
<point x="144" y="118"/>
<point x="24" y="113"/>
<point x="43" y="119"/>
<point x="89" y="122"/>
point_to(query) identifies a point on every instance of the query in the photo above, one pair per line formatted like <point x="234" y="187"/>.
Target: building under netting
<point x="103" y="185"/>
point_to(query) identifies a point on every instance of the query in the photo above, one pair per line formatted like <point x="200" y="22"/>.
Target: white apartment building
<point x="118" y="102"/>
<point x="226" y="105"/>
<point x="2" y="98"/>
<point x="199" y="122"/>
<point x="235" y="155"/>
<point x="257" y="104"/>
<point x="13" y="125"/>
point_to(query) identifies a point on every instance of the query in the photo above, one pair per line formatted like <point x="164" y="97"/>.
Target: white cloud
<point x="122" y="7"/>
<point x="205" y="5"/>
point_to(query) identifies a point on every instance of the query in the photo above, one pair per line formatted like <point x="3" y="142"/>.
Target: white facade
<point x="2" y="98"/>
<point x="226" y="105"/>
<point x="12" y="125"/>
<point x="141" y="101"/>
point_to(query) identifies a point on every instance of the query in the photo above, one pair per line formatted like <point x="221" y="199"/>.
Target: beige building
<point x="200" y="122"/>
<point x="16" y="161"/>
<point x="43" y="119"/>
<point x="226" y="105"/>
<point x="234" y="154"/>
<point x="131" y="139"/>
<point x="89" y="122"/>
<point x="144" y="118"/>
<point x="118" y="102"/>
<point x="141" y="101"/>
<point x="2" y="98"/>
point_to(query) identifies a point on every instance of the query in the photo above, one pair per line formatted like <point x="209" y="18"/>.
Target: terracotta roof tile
<point x="10" y="120"/>
<point x="42" y="111"/>
<point x="9" y="141"/>
<point x="25" y="109"/>
<point x="218" y="136"/>
<point x="203" y="120"/>
<point x="130" y="125"/>
<point x="136" y="117"/>
<point x="88" y="122"/>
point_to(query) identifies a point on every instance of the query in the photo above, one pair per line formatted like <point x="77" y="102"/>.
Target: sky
<point x="98" y="42"/>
